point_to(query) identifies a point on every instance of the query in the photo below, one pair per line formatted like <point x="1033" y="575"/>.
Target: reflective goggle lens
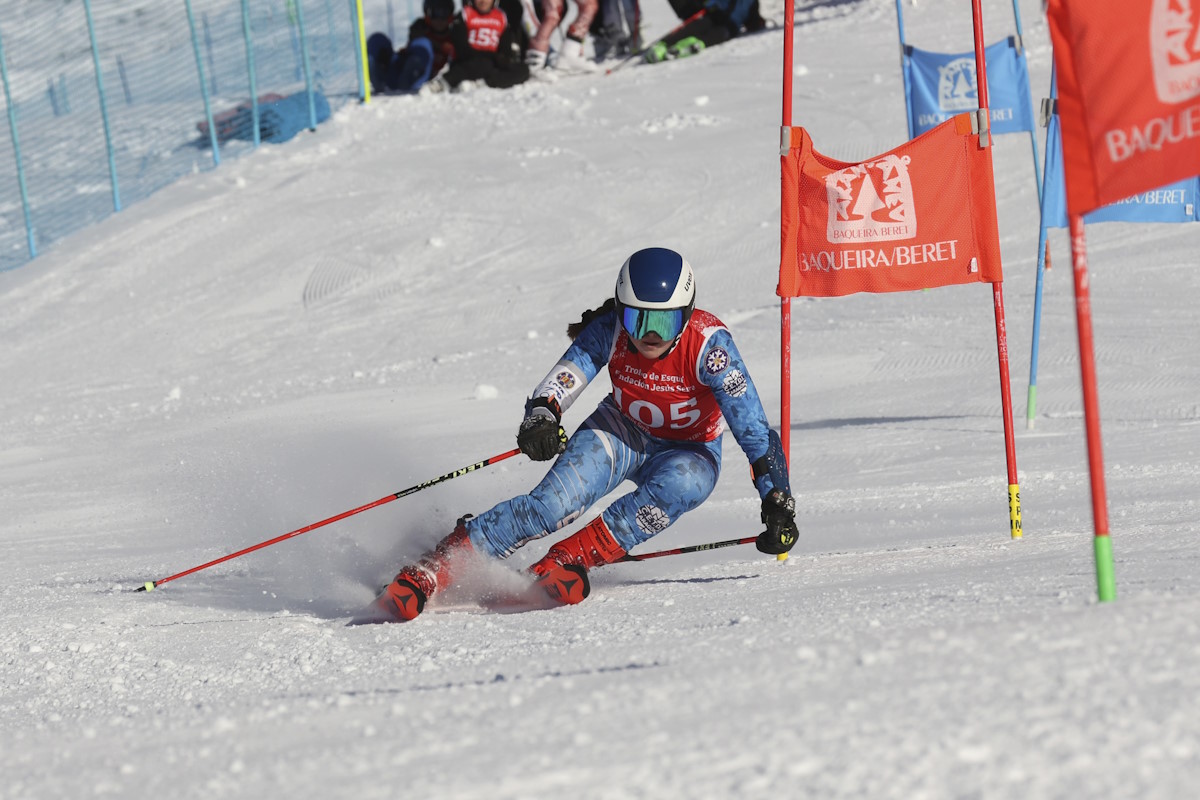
<point x="667" y="323"/>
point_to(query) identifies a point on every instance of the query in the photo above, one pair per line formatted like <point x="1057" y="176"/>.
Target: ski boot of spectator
<point x="686" y="47"/>
<point x="571" y="60"/>
<point x="657" y="52"/>
<point x="438" y="85"/>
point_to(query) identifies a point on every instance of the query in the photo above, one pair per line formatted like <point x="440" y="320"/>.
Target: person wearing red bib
<point x="486" y="49"/>
<point x="678" y="381"/>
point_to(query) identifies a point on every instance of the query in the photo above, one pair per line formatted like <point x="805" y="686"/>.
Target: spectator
<point x="429" y="49"/>
<point x="486" y="49"/>
<point x="570" y="58"/>
<point x="616" y="30"/>
<point x="721" y="21"/>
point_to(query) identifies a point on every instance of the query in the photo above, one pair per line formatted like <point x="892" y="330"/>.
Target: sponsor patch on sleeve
<point x="734" y="383"/>
<point x="716" y="361"/>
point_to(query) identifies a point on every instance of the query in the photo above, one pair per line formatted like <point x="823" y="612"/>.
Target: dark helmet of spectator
<point x="439" y="9"/>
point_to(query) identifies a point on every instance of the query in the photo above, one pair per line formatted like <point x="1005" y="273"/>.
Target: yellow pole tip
<point x="149" y="586"/>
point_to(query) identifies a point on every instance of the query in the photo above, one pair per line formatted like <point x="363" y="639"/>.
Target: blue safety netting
<point x="92" y="144"/>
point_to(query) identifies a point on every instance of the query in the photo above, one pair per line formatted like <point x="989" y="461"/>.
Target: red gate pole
<point x="1106" y="584"/>
<point x="1010" y="448"/>
<point x="785" y="303"/>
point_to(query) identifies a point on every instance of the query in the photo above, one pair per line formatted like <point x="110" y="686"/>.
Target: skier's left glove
<point x="540" y="436"/>
<point x="779" y="515"/>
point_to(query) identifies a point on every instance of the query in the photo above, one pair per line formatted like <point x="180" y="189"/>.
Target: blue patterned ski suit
<point x="674" y="472"/>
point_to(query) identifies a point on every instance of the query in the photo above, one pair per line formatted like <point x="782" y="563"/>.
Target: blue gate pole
<point x="1037" y="173"/>
<point x="308" y="84"/>
<point x="112" y="162"/>
<point x="391" y="21"/>
<point x="16" y="141"/>
<point x="212" y="127"/>
<point x="250" y="68"/>
<point x="903" y="72"/>
<point x="1031" y="397"/>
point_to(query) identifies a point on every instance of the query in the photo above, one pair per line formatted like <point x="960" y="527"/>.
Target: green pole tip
<point x="1106" y="579"/>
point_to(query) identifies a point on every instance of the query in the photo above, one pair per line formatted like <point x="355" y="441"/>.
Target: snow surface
<point x="321" y="324"/>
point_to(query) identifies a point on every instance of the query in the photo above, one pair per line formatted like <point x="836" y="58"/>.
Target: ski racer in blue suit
<point x="678" y="382"/>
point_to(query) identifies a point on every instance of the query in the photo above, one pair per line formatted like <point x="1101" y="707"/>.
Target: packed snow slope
<point x="328" y="322"/>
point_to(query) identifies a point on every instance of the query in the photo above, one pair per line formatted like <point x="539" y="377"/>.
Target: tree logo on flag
<point x="1175" y="50"/>
<point x="871" y="202"/>
<point x="958" y="86"/>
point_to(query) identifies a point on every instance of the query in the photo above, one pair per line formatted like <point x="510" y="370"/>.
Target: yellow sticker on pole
<point x="1014" y="509"/>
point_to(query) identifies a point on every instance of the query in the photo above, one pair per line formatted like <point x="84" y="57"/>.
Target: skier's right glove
<point x="779" y="515"/>
<point x="540" y="436"/>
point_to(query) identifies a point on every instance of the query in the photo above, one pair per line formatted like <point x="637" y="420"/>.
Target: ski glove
<point x="540" y="436"/>
<point x="779" y="515"/>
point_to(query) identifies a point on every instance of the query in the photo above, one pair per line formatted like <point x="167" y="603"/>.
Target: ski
<point x="394" y="606"/>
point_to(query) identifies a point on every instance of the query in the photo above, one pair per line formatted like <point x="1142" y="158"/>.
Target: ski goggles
<point x="668" y="323"/>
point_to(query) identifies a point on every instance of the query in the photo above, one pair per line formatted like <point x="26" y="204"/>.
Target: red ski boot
<point x="562" y="572"/>
<point x="406" y="596"/>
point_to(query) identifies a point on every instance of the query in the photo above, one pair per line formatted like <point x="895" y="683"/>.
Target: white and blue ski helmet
<point x="656" y="292"/>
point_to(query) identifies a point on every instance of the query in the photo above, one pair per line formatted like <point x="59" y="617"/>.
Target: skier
<point x="429" y="48"/>
<point x="678" y="380"/>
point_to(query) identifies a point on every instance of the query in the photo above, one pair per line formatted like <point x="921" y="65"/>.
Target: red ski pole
<point x="151" y="585"/>
<point x="696" y="548"/>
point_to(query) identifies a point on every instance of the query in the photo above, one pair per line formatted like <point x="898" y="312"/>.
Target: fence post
<point x="308" y="84"/>
<point x="291" y="11"/>
<point x="208" y="47"/>
<point x="212" y="127"/>
<point x="332" y="40"/>
<point x="124" y="81"/>
<point x="364" y="78"/>
<point x="50" y="93"/>
<point x="112" y="162"/>
<point x="250" y="68"/>
<point x="12" y="126"/>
